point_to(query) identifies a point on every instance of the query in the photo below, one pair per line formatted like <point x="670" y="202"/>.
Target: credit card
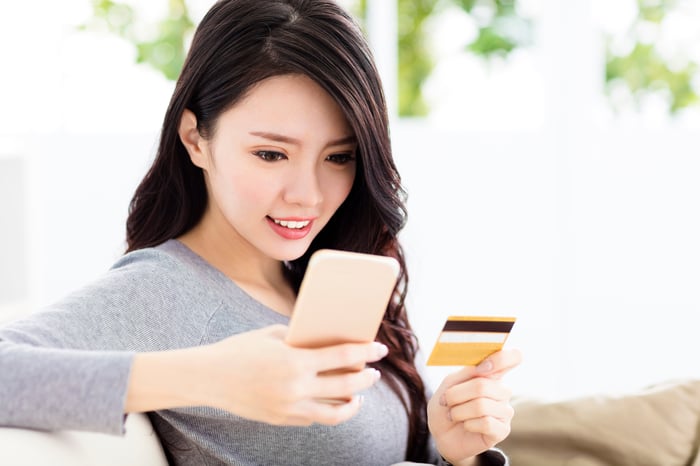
<point x="468" y="340"/>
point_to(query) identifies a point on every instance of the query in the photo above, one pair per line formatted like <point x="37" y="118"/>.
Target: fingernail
<point x="380" y="349"/>
<point x="375" y="374"/>
<point x="485" y="366"/>
<point x="443" y="400"/>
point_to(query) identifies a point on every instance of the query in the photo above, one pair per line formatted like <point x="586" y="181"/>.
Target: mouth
<point x="291" y="228"/>
<point x="291" y="224"/>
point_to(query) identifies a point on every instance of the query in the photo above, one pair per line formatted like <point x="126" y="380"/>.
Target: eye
<point x="269" y="155"/>
<point x="341" y="158"/>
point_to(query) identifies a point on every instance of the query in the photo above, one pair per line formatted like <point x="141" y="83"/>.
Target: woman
<point x="275" y="144"/>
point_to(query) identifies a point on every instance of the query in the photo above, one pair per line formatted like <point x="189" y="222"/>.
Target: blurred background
<point x="550" y="151"/>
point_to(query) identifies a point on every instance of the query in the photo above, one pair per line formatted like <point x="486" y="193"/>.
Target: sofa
<point x="138" y="447"/>
<point x="654" y="426"/>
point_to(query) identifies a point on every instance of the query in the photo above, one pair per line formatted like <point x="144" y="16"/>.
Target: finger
<point x="277" y="330"/>
<point x="351" y="355"/>
<point x="325" y="413"/>
<point x="496" y="375"/>
<point x="500" y="361"/>
<point x="482" y="407"/>
<point x="494" y="430"/>
<point x="344" y="385"/>
<point x="478" y="387"/>
<point x="462" y="375"/>
<point x="494" y="366"/>
<point x="303" y="421"/>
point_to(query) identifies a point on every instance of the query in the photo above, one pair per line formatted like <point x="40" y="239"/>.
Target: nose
<point x="304" y="187"/>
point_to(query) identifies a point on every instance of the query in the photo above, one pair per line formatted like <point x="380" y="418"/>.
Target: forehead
<point x="294" y="105"/>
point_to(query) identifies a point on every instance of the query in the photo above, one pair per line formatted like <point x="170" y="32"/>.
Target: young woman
<point x="275" y="144"/>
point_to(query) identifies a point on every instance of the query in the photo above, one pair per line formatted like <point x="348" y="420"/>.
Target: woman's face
<point x="279" y="165"/>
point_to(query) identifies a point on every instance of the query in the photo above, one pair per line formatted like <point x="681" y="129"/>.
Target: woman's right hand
<point x="258" y="376"/>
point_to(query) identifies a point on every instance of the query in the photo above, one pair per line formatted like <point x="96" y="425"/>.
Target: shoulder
<point x="170" y="256"/>
<point x="160" y="293"/>
<point x="170" y="274"/>
<point x="169" y="264"/>
<point x="151" y="299"/>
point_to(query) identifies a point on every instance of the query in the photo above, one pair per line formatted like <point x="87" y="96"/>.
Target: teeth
<point x="291" y="223"/>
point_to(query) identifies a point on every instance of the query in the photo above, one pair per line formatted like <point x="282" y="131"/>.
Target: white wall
<point x="598" y="258"/>
<point x="81" y="185"/>
<point x="13" y="244"/>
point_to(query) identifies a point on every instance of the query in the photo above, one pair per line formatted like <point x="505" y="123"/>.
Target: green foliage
<point x="501" y="30"/>
<point x="415" y="62"/>
<point x="654" y="10"/>
<point x="165" y="50"/>
<point x="359" y="10"/>
<point x="414" y="58"/>
<point x="490" y="42"/>
<point x="643" y="70"/>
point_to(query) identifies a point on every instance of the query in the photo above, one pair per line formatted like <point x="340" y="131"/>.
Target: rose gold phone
<point x="342" y="298"/>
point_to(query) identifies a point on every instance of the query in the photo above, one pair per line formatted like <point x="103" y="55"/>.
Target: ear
<point x="195" y="144"/>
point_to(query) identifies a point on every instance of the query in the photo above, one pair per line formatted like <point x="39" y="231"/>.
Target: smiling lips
<point x="291" y="228"/>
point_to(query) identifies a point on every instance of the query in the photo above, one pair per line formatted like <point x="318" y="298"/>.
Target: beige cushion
<point x="139" y="446"/>
<point x="657" y="426"/>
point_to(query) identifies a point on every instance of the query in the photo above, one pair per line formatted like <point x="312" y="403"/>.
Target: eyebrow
<point x="297" y="142"/>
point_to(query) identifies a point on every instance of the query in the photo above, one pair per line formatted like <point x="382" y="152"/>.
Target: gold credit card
<point x="468" y="340"/>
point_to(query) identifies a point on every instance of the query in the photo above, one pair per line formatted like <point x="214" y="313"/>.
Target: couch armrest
<point x="140" y="445"/>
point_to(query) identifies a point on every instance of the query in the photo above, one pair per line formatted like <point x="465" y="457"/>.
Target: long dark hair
<point x="238" y="44"/>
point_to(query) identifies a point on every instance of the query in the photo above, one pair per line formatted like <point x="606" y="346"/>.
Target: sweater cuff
<point x="492" y="457"/>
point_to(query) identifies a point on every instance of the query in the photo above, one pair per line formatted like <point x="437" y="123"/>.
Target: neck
<point x="258" y="275"/>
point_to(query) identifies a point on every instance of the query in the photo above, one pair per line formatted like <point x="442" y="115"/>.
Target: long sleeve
<point x="47" y="388"/>
<point x="492" y="457"/>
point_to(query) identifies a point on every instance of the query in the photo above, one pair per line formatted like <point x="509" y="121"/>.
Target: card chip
<point x="468" y="340"/>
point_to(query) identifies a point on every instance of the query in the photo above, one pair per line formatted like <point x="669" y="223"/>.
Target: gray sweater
<point x="68" y="368"/>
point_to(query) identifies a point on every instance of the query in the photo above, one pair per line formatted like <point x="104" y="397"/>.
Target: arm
<point x="114" y="347"/>
<point x="50" y="389"/>
<point x="257" y="376"/>
<point x="253" y="374"/>
<point x="67" y="367"/>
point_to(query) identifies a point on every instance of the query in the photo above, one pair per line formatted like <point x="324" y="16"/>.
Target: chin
<point x="290" y="254"/>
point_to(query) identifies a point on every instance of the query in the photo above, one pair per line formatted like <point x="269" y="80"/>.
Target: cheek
<point x="252" y="191"/>
<point x="341" y="186"/>
<point x="238" y="191"/>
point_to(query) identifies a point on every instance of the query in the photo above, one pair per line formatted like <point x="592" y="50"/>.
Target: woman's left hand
<point x="470" y="412"/>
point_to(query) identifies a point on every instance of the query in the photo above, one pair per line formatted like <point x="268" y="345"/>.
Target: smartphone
<point x="342" y="298"/>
